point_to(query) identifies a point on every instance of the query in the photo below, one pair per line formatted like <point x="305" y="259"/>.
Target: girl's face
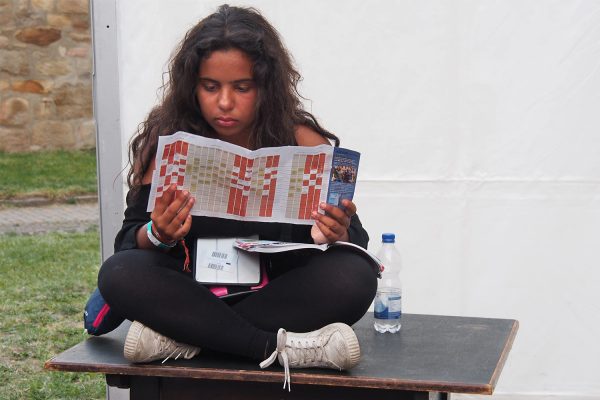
<point x="227" y="95"/>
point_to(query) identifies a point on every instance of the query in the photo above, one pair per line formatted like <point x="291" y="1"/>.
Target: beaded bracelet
<point x="155" y="241"/>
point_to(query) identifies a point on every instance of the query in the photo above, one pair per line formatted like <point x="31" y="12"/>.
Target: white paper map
<point x="273" y="184"/>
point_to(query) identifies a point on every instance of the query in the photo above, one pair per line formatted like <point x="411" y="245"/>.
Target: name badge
<point x="218" y="262"/>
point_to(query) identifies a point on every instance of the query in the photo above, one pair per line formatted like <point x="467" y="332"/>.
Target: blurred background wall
<point x="45" y="75"/>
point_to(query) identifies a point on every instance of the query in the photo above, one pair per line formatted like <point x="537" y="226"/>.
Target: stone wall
<point x="45" y="75"/>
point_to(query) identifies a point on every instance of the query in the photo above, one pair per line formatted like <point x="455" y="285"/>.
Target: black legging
<point x="148" y="286"/>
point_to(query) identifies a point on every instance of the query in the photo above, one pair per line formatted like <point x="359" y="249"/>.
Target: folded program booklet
<point x="272" y="184"/>
<point x="270" y="246"/>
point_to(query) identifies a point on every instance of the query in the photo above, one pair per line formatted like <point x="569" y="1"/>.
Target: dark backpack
<point x="98" y="317"/>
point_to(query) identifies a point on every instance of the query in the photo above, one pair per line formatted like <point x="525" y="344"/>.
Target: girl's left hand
<point x="332" y="226"/>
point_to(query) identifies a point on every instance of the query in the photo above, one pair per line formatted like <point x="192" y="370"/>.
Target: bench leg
<point x="183" y="389"/>
<point x="436" y="396"/>
<point x="154" y="388"/>
<point x="119" y="381"/>
<point x="144" y="388"/>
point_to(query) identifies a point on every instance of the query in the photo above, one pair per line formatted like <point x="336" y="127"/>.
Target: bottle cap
<point x="388" y="238"/>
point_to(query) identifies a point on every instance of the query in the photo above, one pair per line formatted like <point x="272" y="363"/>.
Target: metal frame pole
<point x="107" y="115"/>
<point x="108" y="121"/>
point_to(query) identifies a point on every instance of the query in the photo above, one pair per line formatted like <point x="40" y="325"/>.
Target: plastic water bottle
<point x="388" y="300"/>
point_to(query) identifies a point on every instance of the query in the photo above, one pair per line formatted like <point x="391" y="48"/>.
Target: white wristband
<point x="155" y="241"/>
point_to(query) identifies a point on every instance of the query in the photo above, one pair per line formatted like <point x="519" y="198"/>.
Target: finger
<point x="336" y="213"/>
<point x="332" y="225"/>
<point x="327" y="232"/>
<point x="187" y="208"/>
<point x="167" y="223"/>
<point x="184" y="228"/>
<point x="179" y="202"/>
<point x="175" y="220"/>
<point x="158" y="224"/>
<point x="163" y="201"/>
<point x="184" y="212"/>
<point x="317" y="235"/>
<point x="349" y="207"/>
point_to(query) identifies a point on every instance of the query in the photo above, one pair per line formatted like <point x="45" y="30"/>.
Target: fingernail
<point x="323" y="205"/>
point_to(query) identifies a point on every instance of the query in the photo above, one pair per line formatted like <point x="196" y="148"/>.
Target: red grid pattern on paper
<point x="269" y="185"/>
<point x="172" y="165"/>
<point x="240" y="186"/>
<point x="311" y="185"/>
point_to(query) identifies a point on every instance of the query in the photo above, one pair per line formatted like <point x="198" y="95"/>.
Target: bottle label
<point x="388" y="305"/>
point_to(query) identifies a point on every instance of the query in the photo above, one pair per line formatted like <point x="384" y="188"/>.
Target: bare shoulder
<point x="306" y="136"/>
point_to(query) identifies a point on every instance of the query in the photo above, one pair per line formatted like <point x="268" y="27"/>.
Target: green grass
<point x="44" y="283"/>
<point x="57" y="175"/>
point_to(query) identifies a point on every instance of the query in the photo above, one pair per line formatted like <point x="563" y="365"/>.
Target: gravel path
<point x="57" y="217"/>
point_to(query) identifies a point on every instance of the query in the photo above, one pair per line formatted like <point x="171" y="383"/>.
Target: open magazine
<point x="271" y="246"/>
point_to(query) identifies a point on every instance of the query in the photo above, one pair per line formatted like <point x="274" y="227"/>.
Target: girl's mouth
<point x="226" y="122"/>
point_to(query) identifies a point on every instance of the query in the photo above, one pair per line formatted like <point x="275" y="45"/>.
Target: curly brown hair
<point x="278" y="110"/>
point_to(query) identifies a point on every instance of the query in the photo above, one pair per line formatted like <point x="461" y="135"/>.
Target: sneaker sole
<point x="132" y="340"/>
<point x="351" y="341"/>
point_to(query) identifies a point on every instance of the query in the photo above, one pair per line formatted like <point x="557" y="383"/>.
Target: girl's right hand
<point x="171" y="218"/>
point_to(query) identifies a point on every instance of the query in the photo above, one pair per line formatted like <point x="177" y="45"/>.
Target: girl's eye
<point x="209" y="87"/>
<point x="243" y="88"/>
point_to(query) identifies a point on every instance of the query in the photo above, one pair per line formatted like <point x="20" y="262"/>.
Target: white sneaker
<point x="333" y="346"/>
<point x="142" y="344"/>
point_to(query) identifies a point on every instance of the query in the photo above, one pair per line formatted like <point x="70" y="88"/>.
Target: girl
<point x="233" y="80"/>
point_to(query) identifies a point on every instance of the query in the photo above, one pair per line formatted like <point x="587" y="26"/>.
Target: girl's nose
<point x="225" y="100"/>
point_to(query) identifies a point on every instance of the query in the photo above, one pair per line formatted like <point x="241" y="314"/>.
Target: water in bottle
<point x="388" y="300"/>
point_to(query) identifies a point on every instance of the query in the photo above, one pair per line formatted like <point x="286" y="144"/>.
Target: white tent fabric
<point x="479" y="128"/>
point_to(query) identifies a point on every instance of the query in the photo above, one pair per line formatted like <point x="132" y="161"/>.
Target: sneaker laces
<point x="166" y="343"/>
<point x="301" y="351"/>
<point x="280" y="350"/>
<point x="308" y="351"/>
<point x="183" y="350"/>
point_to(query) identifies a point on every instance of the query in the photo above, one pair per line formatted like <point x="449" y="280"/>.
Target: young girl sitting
<point x="232" y="79"/>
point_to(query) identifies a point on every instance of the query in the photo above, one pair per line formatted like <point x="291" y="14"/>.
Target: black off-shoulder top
<point x="137" y="216"/>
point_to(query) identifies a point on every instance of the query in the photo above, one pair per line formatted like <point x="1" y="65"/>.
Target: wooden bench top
<point x="431" y="353"/>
